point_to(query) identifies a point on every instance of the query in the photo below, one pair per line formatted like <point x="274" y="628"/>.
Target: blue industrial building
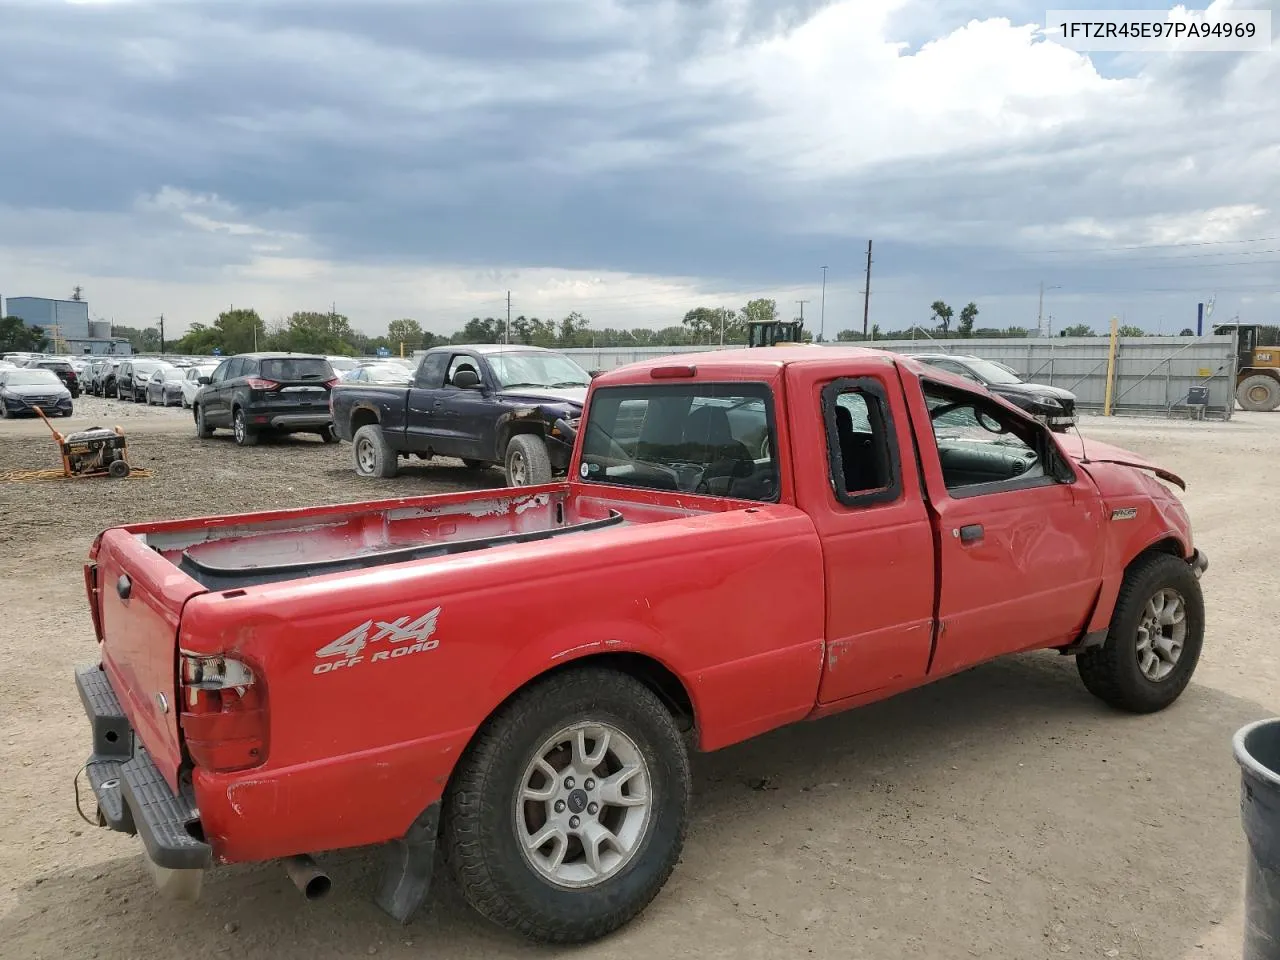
<point x="67" y="325"/>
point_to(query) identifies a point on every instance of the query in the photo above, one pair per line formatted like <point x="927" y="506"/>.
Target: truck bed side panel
<point x="386" y="404"/>
<point x="376" y="681"/>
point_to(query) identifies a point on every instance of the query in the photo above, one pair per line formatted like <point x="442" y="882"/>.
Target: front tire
<point x="327" y="435"/>
<point x="528" y="463"/>
<point x="371" y="455"/>
<point x="203" y="430"/>
<point x="591" y="763"/>
<point x="1154" y="641"/>
<point x="1259" y="392"/>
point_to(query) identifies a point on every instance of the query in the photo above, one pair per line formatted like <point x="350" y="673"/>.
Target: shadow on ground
<point x="942" y="823"/>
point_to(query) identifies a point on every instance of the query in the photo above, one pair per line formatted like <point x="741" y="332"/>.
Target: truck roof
<point x="761" y="361"/>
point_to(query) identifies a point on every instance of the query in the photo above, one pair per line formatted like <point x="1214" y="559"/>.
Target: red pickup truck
<point x="746" y="539"/>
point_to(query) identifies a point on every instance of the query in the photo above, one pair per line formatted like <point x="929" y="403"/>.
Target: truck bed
<point x="296" y="544"/>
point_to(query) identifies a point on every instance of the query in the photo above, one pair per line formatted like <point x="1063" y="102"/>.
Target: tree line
<point x="244" y="330"/>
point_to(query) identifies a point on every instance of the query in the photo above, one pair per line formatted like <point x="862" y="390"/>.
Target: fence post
<point x="1111" y="366"/>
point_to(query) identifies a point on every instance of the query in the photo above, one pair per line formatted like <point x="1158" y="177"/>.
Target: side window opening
<point x="982" y="447"/>
<point x="461" y="362"/>
<point x="861" y="446"/>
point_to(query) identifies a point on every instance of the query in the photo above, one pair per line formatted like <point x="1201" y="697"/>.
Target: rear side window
<point x="862" y="448"/>
<point x="708" y="438"/>
<point x="316" y="369"/>
<point x="431" y="371"/>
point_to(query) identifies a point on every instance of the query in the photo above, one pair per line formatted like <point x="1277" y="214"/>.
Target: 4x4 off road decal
<point x="403" y="637"/>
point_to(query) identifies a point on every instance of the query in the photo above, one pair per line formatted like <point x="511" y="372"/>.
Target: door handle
<point x="970" y="533"/>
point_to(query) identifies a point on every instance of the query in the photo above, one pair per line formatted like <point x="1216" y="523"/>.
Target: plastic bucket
<point x="1257" y="750"/>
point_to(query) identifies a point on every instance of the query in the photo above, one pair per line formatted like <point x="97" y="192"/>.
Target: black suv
<point x="1053" y="405"/>
<point x="256" y="392"/>
<point x="132" y="377"/>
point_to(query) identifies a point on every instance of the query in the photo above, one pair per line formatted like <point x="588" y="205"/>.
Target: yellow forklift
<point x="1257" y="368"/>
<point x="773" y="333"/>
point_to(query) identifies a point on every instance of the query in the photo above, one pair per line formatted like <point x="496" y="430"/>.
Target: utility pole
<point x="507" y="337"/>
<point x="822" y="310"/>
<point x="802" y="303"/>
<point x="866" y="294"/>
<point x="1040" y="312"/>
<point x="162" y="334"/>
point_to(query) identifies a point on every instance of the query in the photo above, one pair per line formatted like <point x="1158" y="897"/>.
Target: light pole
<point x="822" y="310"/>
<point x="1040" y="312"/>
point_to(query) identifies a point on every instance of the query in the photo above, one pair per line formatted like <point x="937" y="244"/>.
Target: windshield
<point x="297" y="368"/>
<point x="31" y="378"/>
<point x="990" y="372"/>
<point x="709" y="438"/>
<point x="172" y="373"/>
<point x="144" y="368"/>
<point x="537" y="370"/>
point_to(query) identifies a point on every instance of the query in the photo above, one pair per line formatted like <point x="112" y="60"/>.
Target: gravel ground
<point x="1001" y="813"/>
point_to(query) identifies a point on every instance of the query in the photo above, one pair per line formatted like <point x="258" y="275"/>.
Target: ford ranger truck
<point x="745" y="539"/>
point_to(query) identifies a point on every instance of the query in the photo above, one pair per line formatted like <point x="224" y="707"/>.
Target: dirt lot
<point x="1001" y="813"/>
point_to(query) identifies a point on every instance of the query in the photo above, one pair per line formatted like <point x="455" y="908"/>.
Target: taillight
<point x="257" y="383"/>
<point x="332" y="383"/>
<point x="224" y="713"/>
<point x="91" y="588"/>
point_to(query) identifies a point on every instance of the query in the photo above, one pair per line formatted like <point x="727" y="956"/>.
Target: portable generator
<point x="91" y="452"/>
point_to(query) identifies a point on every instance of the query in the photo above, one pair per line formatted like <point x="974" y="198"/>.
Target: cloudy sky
<point x="629" y="159"/>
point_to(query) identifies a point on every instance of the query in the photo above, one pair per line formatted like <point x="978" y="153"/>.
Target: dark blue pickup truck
<point x="489" y="404"/>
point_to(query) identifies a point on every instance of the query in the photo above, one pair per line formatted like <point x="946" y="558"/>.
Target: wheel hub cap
<point x="1162" y="631"/>
<point x="583" y="805"/>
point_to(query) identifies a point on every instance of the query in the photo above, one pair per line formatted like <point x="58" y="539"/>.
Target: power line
<point x="1158" y="246"/>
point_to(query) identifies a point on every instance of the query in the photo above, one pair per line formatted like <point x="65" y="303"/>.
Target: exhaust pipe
<point x="312" y="882"/>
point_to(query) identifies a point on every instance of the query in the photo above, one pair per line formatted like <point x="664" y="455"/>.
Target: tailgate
<point x="140" y="596"/>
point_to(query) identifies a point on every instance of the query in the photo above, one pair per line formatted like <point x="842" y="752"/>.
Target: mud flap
<point x="406" y="878"/>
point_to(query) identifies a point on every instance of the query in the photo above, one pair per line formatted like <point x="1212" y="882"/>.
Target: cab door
<point x="424" y="391"/>
<point x="857" y="480"/>
<point x="1019" y="531"/>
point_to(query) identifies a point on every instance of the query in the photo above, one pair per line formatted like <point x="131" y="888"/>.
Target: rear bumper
<point x="133" y="797"/>
<point x="299" y="421"/>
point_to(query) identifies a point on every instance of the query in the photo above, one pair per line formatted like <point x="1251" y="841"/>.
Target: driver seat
<point x="710" y="441"/>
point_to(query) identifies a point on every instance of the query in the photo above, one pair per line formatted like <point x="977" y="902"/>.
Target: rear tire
<point x="245" y="435"/>
<point x="118" y="469"/>
<point x="528" y="463"/>
<point x="371" y="455"/>
<point x="489" y="816"/>
<point x="1146" y="662"/>
<point x="328" y="436"/>
<point x="1259" y="392"/>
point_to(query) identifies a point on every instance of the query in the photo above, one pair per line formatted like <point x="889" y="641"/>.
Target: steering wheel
<point x="989" y="423"/>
